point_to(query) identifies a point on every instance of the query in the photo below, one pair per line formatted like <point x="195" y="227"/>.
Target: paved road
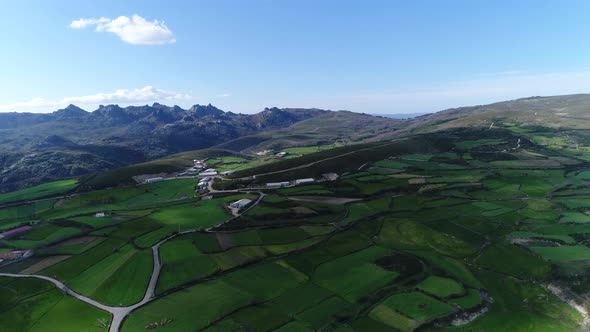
<point x="119" y="313"/>
<point x="61" y="286"/>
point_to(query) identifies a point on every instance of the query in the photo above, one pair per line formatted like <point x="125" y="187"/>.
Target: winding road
<point x="119" y="313"/>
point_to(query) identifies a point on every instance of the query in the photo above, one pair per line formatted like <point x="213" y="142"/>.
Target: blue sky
<point x="364" y="56"/>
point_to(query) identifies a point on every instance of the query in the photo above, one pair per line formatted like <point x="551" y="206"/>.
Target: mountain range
<point x="69" y="142"/>
<point x="35" y="148"/>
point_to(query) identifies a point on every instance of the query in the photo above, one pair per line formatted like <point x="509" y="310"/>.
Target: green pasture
<point x="40" y="191"/>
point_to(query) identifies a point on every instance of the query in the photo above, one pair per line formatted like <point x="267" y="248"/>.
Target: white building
<point x="241" y="203"/>
<point x="304" y="181"/>
<point x="99" y="215"/>
<point x="154" y="180"/>
<point x="207" y="173"/>
<point x="281" y="154"/>
<point x="277" y="184"/>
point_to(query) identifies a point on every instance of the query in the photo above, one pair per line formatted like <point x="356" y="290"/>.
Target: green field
<point x="211" y="300"/>
<point x="355" y="275"/>
<point x="563" y="253"/>
<point x="35" y="305"/>
<point x="417" y="306"/>
<point x="40" y="191"/>
<point x="413" y="232"/>
<point x="440" y="287"/>
<point x="181" y="263"/>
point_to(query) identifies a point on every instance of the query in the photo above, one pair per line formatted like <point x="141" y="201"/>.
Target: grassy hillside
<point x="477" y="228"/>
<point x="555" y="112"/>
<point x="430" y="230"/>
<point x="343" y="127"/>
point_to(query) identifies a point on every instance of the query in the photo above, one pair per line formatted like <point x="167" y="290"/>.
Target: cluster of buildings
<point x="202" y="185"/>
<point x="198" y="164"/>
<point x="208" y="172"/>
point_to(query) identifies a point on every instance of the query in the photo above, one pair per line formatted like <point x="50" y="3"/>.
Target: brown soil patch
<point x="44" y="263"/>
<point x="302" y="210"/>
<point x="417" y="181"/>
<point x="75" y="241"/>
<point x="224" y="240"/>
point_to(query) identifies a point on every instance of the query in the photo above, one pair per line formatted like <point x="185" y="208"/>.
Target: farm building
<point x="18" y="254"/>
<point x="198" y="164"/>
<point x="15" y="231"/>
<point x="281" y="154"/>
<point x="241" y="203"/>
<point x="277" y="184"/>
<point x="202" y="185"/>
<point x="304" y="181"/>
<point x="208" y="174"/>
<point x="99" y="215"/>
<point x="154" y="180"/>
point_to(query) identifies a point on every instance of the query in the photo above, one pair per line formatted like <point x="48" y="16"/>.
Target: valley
<point x="459" y="229"/>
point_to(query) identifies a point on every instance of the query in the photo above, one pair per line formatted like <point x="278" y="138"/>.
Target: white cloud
<point x="134" y="30"/>
<point x="84" y="22"/>
<point x="146" y="94"/>
<point x="223" y="95"/>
